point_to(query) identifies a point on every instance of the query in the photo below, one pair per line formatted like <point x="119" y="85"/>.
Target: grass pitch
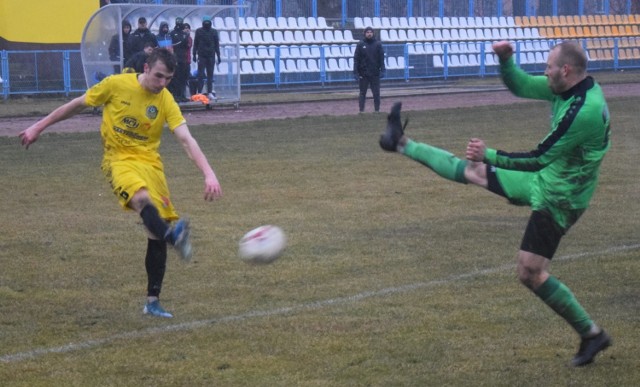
<point x="392" y="275"/>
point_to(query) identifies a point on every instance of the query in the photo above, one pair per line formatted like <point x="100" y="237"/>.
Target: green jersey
<point x="566" y="163"/>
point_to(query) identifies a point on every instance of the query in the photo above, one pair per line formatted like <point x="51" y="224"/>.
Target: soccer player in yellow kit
<point x="136" y="108"/>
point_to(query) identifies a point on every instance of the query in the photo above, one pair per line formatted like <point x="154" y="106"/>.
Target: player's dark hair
<point x="572" y="53"/>
<point x="165" y="56"/>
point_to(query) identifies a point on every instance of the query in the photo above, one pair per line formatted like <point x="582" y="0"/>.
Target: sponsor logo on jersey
<point x="130" y="122"/>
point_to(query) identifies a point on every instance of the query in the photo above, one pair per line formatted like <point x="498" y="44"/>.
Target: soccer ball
<point x="262" y="245"/>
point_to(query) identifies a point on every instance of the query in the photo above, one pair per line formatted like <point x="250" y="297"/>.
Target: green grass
<point x="392" y="275"/>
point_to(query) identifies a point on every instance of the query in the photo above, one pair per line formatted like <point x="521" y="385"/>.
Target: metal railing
<point x="61" y="72"/>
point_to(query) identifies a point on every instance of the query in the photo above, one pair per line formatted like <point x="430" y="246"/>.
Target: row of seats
<point x="282" y="23"/>
<point x="589" y="32"/>
<point x="309" y="65"/>
<point x="472" y="47"/>
<point x="611" y="42"/>
<point x="258" y="37"/>
<point x="511" y="33"/>
<point x="433" y="22"/>
<point x="453" y="34"/>
<point x="294" y="51"/>
<point x="576" y="20"/>
<point x="474" y="60"/>
<point x="262" y="23"/>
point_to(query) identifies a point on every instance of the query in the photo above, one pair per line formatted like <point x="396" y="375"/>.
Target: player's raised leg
<point x="439" y="160"/>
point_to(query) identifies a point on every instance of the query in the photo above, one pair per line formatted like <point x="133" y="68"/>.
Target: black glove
<point x="195" y="59"/>
<point x="356" y="77"/>
<point x="219" y="60"/>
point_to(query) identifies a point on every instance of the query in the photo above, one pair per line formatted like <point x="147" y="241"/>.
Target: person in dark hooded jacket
<point x="206" y="48"/>
<point x="164" y="37"/>
<point x="180" y="39"/>
<point x="114" y="46"/>
<point x="368" y="68"/>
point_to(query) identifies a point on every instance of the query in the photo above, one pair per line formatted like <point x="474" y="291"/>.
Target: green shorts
<point x="516" y="187"/>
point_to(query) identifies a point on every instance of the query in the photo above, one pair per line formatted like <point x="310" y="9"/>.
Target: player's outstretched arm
<point x="212" y="188"/>
<point x="476" y="150"/>
<point x="503" y="49"/>
<point x="71" y="108"/>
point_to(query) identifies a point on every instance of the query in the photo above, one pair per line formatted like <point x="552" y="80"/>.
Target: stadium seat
<point x="288" y="37"/>
<point x="358" y="23"/>
<point x="294" y="52"/>
<point x="322" y="23"/>
<point x="282" y="23"/>
<point x="267" y="37"/>
<point x="312" y="23"/>
<point x="272" y="23"/>
<point x="261" y="23"/>
<point x="313" y="65"/>
<point x="230" y="23"/>
<point x="348" y="36"/>
<point x="256" y="37"/>
<point x="245" y="37"/>
<point x="302" y="23"/>
<point x="291" y="66"/>
<point x="332" y="65"/>
<point x="309" y="37"/>
<point x="246" y="67"/>
<point x="258" y="67"/>
<point x="391" y="63"/>
<point x="269" y="67"/>
<point x="327" y="36"/>
<point x="292" y="23"/>
<point x="437" y="61"/>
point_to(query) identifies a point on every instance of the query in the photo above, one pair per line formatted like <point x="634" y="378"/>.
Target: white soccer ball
<point x="262" y="245"/>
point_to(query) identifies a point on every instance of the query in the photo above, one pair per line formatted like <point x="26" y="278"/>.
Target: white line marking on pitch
<point x="72" y="347"/>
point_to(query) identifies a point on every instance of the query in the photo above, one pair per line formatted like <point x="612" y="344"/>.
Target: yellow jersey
<point x="133" y="118"/>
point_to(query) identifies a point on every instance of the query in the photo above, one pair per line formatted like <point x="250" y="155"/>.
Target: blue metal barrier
<point x="61" y="72"/>
<point x="41" y="72"/>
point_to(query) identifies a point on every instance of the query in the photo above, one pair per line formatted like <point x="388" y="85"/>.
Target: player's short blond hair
<point x="571" y="53"/>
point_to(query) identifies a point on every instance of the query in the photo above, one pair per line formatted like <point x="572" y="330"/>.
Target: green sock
<point x="438" y="160"/>
<point x="559" y="298"/>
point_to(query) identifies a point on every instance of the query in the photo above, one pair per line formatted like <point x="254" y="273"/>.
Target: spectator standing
<point x="181" y="41"/>
<point x="114" y="46"/>
<point x="141" y="36"/>
<point x="368" y="68"/>
<point x="164" y="37"/>
<point x="206" y="52"/>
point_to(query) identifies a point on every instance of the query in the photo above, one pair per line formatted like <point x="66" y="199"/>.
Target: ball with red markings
<point x="262" y="245"/>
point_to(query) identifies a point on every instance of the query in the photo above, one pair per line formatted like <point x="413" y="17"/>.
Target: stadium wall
<point x="44" y="25"/>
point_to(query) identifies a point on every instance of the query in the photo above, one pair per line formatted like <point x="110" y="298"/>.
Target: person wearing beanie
<point x="368" y="68"/>
<point x="181" y="42"/>
<point x="206" y="48"/>
<point x="164" y="37"/>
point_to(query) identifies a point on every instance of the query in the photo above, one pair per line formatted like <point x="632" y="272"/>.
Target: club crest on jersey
<point x="152" y="112"/>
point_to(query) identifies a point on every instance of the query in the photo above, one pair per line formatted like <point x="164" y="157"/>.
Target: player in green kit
<point x="136" y="109"/>
<point x="557" y="179"/>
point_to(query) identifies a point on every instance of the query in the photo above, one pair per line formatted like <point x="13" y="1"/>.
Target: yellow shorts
<point x="128" y="177"/>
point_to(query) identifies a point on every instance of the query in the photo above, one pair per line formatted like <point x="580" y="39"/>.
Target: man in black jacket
<point x="114" y="46"/>
<point x="141" y="36"/>
<point x="180" y="41"/>
<point x="368" y="68"/>
<point x="206" y="48"/>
